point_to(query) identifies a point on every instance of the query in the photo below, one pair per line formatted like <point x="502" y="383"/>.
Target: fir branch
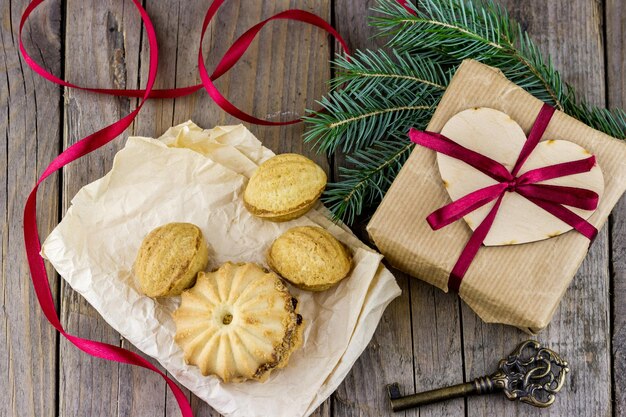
<point x="351" y="121"/>
<point x="379" y="91"/>
<point x="449" y="31"/>
<point x="377" y="96"/>
<point x="376" y="113"/>
<point x="365" y="182"/>
<point x="367" y="70"/>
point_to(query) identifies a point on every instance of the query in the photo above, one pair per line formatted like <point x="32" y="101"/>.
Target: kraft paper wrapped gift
<point x="520" y="285"/>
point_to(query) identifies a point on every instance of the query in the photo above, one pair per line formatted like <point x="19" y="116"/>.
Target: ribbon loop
<point x="551" y="198"/>
<point x="568" y="196"/>
<point x="96" y="140"/>
<point x="442" y="144"/>
<point x="558" y="170"/>
<point x="457" y="209"/>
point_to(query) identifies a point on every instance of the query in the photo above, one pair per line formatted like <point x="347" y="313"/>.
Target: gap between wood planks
<point x="615" y="242"/>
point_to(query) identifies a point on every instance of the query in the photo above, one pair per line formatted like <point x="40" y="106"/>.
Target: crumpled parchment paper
<point x="198" y="176"/>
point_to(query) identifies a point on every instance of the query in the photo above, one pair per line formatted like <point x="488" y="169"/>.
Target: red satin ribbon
<point x="103" y="136"/>
<point x="551" y="198"/>
<point x="405" y="4"/>
<point x="240" y="46"/>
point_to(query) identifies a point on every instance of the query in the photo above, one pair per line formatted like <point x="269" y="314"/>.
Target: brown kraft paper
<point x="519" y="285"/>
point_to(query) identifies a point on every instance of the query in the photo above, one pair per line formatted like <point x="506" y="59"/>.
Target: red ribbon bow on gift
<point x="551" y="198"/>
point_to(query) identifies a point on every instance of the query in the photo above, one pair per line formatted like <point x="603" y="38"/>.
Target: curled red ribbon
<point x="551" y="198"/>
<point x="105" y="135"/>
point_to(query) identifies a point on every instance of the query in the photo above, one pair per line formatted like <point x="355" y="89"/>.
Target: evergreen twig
<point x="353" y="121"/>
<point x="448" y="31"/>
<point x="377" y="96"/>
<point x="368" y="70"/>
<point x="364" y="182"/>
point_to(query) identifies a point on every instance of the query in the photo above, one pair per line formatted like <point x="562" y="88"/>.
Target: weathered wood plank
<point x="571" y="32"/>
<point x="31" y="136"/>
<point x="140" y="392"/>
<point x="352" y="23"/>
<point x="437" y="345"/>
<point x="580" y="328"/>
<point x="281" y="75"/>
<point x="616" y="82"/>
<point x="102" y="48"/>
<point x="157" y="115"/>
<point x="363" y="391"/>
<point x="434" y="344"/>
<point x="387" y="359"/>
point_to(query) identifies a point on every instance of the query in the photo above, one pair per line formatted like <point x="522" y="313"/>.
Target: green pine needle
<point x="448" y="31"/>
<point x="353" y="122"/>
<point x="377" y="96"/>
<point x="364" y="183"/>
<point x="376" y="70"/>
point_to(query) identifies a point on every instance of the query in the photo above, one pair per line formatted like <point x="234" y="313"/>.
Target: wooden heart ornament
<point x="494" y="134"/>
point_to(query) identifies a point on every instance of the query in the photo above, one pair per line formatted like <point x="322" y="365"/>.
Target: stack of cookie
<point x="240" y="321"/>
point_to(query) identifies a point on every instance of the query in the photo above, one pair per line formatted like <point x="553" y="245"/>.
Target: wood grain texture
<point x="387" y="359"/>
<point x="425" y="339"/>
<point x="102" y="44"/>
<point x="31" y="135"/>
<point x="143" y="393"/>
<point x="284" y="71"/>
<point x="437" y="345"/>
<point x="615" y="14"/>
<point x="352" y="23"/>
<point x="389" y="356"/>
<point x="572" y="32"/>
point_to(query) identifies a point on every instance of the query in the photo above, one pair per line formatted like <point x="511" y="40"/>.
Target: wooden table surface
<point x="425" y="339"/>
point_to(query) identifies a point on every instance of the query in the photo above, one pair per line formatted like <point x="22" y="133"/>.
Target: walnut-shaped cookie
<point x="284" y="187"/>
<point x="310" y="258"/>
<point x="169" y="259"/>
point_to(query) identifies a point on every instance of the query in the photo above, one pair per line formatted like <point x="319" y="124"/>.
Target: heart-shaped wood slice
<point x="494" y="134"/>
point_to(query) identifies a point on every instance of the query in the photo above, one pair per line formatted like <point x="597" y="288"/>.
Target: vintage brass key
<point x="531" y="374"/>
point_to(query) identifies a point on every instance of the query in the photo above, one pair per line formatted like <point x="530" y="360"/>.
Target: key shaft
<point x="478" y="386"/>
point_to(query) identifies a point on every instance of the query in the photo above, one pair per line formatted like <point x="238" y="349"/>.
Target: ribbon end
<point x="454" y="283"/>
<point x="433" y="223"/>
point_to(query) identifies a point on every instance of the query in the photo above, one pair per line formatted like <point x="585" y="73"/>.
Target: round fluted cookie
<point x="169" y="259"/>
<point x="238" y="322"/>
<point x="284" y="187"/>
<point x="310" y="258"/>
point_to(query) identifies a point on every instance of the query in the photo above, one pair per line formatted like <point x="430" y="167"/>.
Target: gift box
<point x="515" y="284"/>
